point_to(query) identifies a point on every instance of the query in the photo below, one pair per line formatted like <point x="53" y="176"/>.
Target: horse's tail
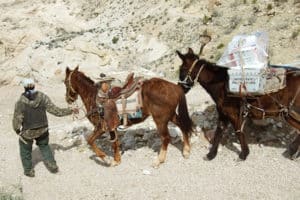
<point x="184" y="121"/>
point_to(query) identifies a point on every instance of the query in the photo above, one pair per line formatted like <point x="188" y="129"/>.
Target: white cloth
<point x="27" y="82"/>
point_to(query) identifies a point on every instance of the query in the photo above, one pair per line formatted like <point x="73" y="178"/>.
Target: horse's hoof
<point x="186" y="155"/>
<point x="287" y="154"/>
<point x="156" y="164"/>
<point x="114" y="163"/>
<point x="209" y="156"/>
<point x="107" y="160"/>
<point x="294" y="156"/>
<point x="242" y="157"/>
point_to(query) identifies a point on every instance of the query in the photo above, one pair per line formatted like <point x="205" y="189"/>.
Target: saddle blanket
<point x="130" y="106"/>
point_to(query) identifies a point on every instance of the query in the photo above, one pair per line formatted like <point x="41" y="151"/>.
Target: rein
<point x="70" y="87"/>
<point x="69" y="82"/>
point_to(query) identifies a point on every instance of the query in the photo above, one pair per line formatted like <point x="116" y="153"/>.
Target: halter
<point x="185" y="82"/>
<point x="70" y="87"/>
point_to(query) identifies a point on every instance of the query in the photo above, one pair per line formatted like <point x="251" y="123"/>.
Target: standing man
<point x="30" y="123"/>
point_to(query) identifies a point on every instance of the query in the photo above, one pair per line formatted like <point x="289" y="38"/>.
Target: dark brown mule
<point x="214" y="79"/>
<point x="160" y="99"/>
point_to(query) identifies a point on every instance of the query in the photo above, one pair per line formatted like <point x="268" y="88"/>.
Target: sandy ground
<point x="41" y="38"/>
<point x="266" y="174"/>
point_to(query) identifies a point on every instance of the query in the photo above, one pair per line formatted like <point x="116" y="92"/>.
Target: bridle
<point x="70" y="88"/>
<point x="188" y="82"/>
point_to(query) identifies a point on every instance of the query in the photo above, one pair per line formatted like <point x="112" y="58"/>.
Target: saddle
<point x="126" y="98"/>
<point x="129" y="87"/>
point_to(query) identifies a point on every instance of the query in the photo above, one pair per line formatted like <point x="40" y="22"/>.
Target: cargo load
<point x="247" y="59"/>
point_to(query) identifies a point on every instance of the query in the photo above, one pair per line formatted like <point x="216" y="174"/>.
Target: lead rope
<point x="75" y="116"/>
<point x="293" y="101"/>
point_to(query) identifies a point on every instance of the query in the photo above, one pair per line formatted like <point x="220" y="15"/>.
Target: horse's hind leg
<point x="186" y="150"/>
<point x="163" y="131"/>
<point x="186" y="145"/>
<point x="294" y="146"/>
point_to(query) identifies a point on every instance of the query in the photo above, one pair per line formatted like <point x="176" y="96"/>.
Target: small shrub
<point x="295" y="34"/>
<point x="220" y="46"/>
<point x="206" y="19"/>
<point x="180" y="19"/>
<point x="115" y="40"/>
<point x="218" y="56"/>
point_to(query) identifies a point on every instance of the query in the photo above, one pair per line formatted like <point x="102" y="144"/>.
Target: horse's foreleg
<point x="116" y="149"/>
<point x="216" y="140"/>
<point x="91" y="142"/>
<point x="241" y="136"/>
<point x="244" y="146"/>
<point x="165" y="139"/>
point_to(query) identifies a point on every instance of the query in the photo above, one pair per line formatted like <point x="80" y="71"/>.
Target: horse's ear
<point x="76" y="68"/>
<point x="68" y="70"/>
<point x="180" y="55"/>
<point x="190" y="51"/>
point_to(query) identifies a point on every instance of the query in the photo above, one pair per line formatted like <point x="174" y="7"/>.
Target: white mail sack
<point x="247" y="51"/>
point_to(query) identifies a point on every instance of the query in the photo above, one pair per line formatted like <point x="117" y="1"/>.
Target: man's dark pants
<point x="26" y="151"/>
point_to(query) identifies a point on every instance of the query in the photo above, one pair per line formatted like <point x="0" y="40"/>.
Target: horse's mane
<point x="219" y="71"/>
<point x="83" y="79"/>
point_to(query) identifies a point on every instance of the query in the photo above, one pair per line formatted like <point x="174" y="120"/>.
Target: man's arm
<point x="53" y="109"/>
<point x="18" y="118"/>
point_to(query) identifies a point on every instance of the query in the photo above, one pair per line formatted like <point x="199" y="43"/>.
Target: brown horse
<point x="160" y="99"/>
<point x="214" y="79"/>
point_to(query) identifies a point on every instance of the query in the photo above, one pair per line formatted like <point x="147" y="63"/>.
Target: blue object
<point x="136" y="115"/>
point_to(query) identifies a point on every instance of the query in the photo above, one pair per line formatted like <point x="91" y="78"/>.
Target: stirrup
<point x="112" y="141"/>
<point x="115" y="138"/>
<point x="122" y="128"/>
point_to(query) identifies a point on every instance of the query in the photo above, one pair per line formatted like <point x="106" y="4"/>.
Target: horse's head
<point x="71" y="94"/>
<point x="189" y="71"/>
<point x="186" y="78"/>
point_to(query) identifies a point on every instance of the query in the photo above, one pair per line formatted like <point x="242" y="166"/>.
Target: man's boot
<point x="51" y="166"/>
<point x="29" y="173"/>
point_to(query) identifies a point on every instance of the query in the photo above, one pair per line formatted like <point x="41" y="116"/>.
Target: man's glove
<point x="75" y="110"/>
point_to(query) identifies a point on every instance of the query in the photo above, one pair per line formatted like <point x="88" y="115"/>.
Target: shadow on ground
<point x="37" y="156"/>
<point x="269" y="132"/>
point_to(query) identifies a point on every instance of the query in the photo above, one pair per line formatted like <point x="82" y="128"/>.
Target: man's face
<point x="105" y="86"/>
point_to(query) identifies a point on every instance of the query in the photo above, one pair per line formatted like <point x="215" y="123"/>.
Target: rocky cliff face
<point x="39" y="38"/>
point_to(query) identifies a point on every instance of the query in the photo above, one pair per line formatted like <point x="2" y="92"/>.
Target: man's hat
<point x="104" y="78"/>
<point x="28" y="83"/>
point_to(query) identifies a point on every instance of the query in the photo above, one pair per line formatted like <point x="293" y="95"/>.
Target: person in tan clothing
<point x="31" y="124"/>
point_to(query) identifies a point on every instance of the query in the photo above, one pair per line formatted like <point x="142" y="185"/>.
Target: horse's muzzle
<point x="185" y="86"/>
